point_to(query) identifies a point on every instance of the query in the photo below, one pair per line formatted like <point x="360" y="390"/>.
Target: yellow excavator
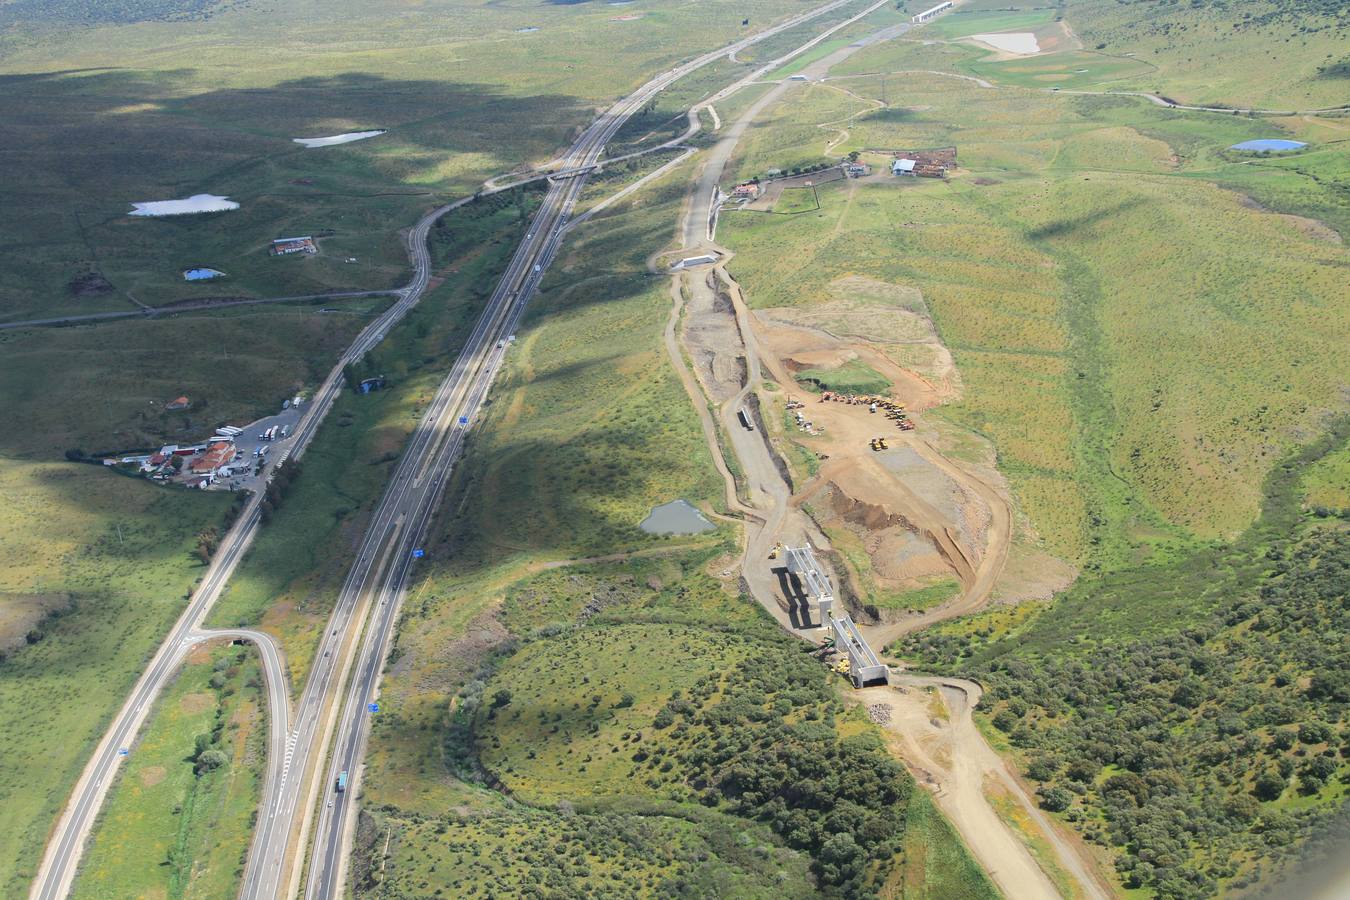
<point x="842" y="666"/>
<point x="777" y="548"/>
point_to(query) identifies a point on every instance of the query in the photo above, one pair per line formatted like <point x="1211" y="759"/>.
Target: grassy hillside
<point x="187" y="795"/>
<point x="108" y="560"/>
<point x="1097" y="378"/>
<point x="103" y="387"/>
<point x="1282" y="54"/>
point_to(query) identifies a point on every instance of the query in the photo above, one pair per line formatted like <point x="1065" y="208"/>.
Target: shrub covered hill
<point x="1199" y="726"/>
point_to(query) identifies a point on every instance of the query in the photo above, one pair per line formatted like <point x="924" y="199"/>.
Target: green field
<point x="853" y="377"/>
<point x="110" y="557"/>
<point x="187" y="795"/>
<point x="578" y="855"/>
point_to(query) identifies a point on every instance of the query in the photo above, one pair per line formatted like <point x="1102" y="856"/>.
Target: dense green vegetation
<point x="178" y="819"/>
<point x="1192" y="715"/>
<point x="756" y="736"/>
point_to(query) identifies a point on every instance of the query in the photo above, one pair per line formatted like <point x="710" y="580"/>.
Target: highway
<point x="414" y="495"/>
<point x="380" y="570"/>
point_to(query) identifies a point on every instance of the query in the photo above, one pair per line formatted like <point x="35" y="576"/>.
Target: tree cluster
<point x="1185" y="752"/>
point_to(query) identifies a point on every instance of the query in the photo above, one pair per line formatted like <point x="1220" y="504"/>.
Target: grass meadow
<point x="169" y="829"/>
<point x="104" y="387"/>
<point x="114" y="552"/>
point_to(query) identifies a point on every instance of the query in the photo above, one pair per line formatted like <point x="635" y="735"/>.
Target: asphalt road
<point x="381" y="567"/>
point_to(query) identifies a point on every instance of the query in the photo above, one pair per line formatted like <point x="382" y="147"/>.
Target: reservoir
<point x="676" y="517"/>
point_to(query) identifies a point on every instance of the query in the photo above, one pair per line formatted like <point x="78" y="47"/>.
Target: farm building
<point x="903" y="167"/>
<point x="747" y="191"/>
<point x="177" y="404"/>
<point x="857" y="169"/>
<point x="287" y="246"/>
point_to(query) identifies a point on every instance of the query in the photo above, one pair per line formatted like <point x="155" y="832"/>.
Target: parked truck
<point x="744" y="415"/>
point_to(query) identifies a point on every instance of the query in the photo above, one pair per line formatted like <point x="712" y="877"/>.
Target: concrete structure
<point x="690" y="261"/>
<point x="801" y="561"/>
<point x="931" y="13"/>
<point x="863" y="666"/>
<point x="903" y="167"/>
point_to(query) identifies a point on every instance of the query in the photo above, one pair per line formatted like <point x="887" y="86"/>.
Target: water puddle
<point x="1269" y="144"/>
<point x="676" y="517"/>
<point x="336" y="139"/>
<point x="197" y="203"/>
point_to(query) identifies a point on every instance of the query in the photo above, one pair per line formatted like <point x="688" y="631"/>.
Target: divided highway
<point x="370" y="598"/>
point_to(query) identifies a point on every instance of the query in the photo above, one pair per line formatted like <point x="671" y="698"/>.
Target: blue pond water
<point x="677" y="517"/>
<point x="1269" y="144"/>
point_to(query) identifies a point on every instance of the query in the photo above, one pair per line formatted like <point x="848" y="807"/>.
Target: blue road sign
<point x="373" y="707"/>
<point x="123" y="751"/>
<point x="419" y="553"/>
<point x="464" y="420"/>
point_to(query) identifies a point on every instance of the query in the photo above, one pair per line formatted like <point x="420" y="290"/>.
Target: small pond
<point x="676" y="517"/>
<point x="1269" y="144"/>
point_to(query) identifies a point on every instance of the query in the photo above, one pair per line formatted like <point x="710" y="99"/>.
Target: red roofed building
<point x="180" y="403"/>
<point x="216" y="455"/>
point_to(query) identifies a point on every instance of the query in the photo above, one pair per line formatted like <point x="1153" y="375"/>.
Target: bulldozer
<point x="773" y="554"/>
<point x="879" y="443"/>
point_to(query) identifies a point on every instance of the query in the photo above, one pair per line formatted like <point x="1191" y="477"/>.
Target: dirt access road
<point x="711" y="322"/>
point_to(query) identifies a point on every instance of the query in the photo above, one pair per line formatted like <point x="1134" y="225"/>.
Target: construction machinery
<point x="777" y="548"/>
<point x="879" y="443"/>
<point x="842" y="666"/>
